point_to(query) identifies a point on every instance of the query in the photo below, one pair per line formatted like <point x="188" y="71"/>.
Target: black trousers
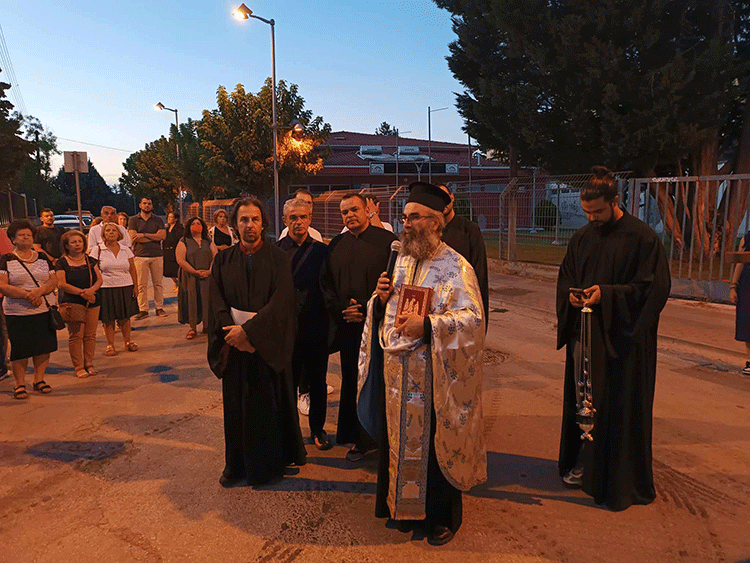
<point x="309" y="366"/>
<point x="3" y="341"/>
<point x="349" y="430"/>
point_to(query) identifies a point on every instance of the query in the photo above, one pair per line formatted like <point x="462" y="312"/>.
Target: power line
<point x="15" y="90"/>
<point x="95" y="145"/>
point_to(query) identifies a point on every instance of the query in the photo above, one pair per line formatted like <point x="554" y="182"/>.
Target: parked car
<point x="71" y="221"/>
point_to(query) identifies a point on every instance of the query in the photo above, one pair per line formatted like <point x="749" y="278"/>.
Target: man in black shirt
<point x="146" y="232"/>
<point x="47" y="236"/>
<point x="310" y="359"/>
<point x="465" y="237"/>
<point x="356" y="260"/>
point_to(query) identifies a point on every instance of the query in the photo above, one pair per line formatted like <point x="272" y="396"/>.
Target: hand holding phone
<point x="577" y="296"/>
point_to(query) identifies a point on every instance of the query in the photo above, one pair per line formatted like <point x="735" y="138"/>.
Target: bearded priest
<point x="420" y="375"/>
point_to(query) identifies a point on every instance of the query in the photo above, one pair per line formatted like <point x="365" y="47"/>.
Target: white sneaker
<point x="329" y="389"/>
<point x="303" y="404"/>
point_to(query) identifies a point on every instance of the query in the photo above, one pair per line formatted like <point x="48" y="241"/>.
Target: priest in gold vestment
<point x="420" y="376"/>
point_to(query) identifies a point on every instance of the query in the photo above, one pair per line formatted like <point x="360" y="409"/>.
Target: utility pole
<point x="39" y="180"/>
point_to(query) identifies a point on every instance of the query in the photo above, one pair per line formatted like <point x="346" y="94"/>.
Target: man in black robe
<point x="253" y="359"/>
<point x="310" y="359"/>
<point x="620" y="264"/>
<point x="466" y="238"/>
<point x="356" y="259"/>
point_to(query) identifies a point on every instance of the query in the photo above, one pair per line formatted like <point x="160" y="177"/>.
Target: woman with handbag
<point x="79" y="280"/>
<point x="120" y="287"/>
<point x="195" y="254"/>
<point x="27" y="281"/>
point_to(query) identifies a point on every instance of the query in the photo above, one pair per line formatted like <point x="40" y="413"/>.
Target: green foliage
<point x="14" y="150"/>
<point x="239" y="141"/>
<point x="567" y="84"/>
<point x="95" y="193"/>
<point x="36" y="177"/>
<point x="545" y="214"/>
<point x="386" y="128"/>
<point x="229" y="151"/>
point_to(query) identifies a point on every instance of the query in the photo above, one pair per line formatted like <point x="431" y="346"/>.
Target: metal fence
<point x="531" y="218"/>
<point x="13" y="205"/>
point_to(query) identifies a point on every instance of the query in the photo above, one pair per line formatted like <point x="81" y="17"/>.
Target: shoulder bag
<point x="75" y="312"/>
<point x="56" y="321"/>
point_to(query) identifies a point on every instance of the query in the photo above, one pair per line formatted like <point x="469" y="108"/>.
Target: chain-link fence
<point x="530" y="218"/>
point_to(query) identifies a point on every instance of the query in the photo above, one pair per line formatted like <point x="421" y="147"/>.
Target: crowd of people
<point x="407" y="315"/>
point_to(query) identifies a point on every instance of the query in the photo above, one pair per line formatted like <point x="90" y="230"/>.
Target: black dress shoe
<point x="321" y="441"/>
<point x="440" y="535"/>
<point x="230" y="482"/>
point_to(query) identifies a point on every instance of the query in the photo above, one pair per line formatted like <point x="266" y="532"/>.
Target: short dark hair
<point x="19" y="225"/>
<point x="175" y="213"/>
<point x="46" y="210"/>
<point x="254" y="201"/>
<point x="371" y="196"/>
<point x="67" y="235"/>
<point x="204" y="233"/>
<point x="352" y="195"/>
<point x="602" y="184"/>
<point x="145" y="197"/>
<point x="302" y="191"/>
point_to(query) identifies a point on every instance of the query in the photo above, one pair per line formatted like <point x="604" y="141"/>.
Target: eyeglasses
<point x="413" y="218"/>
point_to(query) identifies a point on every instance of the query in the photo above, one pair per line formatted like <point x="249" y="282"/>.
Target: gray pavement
<point x="124" y="466"/>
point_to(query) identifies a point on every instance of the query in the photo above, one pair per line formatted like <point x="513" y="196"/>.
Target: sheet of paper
<point x="241" y="317"/>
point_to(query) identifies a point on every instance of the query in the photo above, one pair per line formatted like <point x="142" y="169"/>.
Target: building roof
<point x="344" y="147"/>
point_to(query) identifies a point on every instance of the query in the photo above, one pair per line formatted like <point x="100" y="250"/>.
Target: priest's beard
<point x="419" y="242"/>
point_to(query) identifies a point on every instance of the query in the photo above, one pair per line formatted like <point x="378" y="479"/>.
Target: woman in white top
<point x="27" y="281"/>
<point x="119" y="290"/>
<point x="221" y="234"/>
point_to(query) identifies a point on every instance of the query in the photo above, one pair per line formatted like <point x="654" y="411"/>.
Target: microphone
<point x="395" y="247"/>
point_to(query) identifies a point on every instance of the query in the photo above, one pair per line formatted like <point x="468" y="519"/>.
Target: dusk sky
<point x="92" y="71"/>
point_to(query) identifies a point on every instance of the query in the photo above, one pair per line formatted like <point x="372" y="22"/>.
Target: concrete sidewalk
<point x="708" y="328"/>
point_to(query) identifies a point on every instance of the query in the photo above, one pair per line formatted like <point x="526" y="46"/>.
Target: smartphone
<point x="577" y="292"/>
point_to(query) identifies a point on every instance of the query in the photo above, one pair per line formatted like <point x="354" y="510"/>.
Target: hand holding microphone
<point x="384" y="287"/>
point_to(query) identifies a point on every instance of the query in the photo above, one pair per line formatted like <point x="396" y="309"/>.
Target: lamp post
<point x="160" y="107"/>
<point x="429" y="140"/>
<point x="397" y="132"/>
<point x="243" y="13"/>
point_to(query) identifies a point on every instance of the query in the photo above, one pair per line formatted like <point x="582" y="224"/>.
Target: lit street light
<point x="160" y="107"/>
<point x="429" y="140"/>
<point x="243" y="13"/>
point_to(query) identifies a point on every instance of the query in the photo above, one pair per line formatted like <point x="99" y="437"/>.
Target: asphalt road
<point x="125" y="466"/>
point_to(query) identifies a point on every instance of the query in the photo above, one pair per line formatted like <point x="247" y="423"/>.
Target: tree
<point x="14" y="150"/>
<point x="386" y="129"/>
<point x="239" y="143"/>
<point x="564" y="85"/>
<point x="95" y="192"/>
<point x="37" y="175"/>
<point x="152" y="172"/>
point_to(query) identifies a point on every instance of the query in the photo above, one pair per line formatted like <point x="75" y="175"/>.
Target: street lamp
<point x="160" y="107"/>
<point x="397" y="133"/>
<point x="429" y="140"/>
<point x="243" y="13"/>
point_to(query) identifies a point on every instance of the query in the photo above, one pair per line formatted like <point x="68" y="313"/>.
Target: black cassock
<point x="351" y="271"/>
<point x="465" y="237"/>
<point x="627" y="260"/>
<point x="261" y="425"/>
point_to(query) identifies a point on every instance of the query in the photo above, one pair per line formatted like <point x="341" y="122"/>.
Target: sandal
<point x="321" y="441"/>
<point x="131" y="346"/>
<point x="19" y="392"/>
<point x="81" y="373"/>
<point x="110" y="351"/>
<point x="42" y="387"/>
<point x="191" y="334"/>
<point x="92" y="370"/>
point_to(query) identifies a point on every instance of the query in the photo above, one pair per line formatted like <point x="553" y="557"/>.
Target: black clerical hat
<point x="429" y="195"/>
